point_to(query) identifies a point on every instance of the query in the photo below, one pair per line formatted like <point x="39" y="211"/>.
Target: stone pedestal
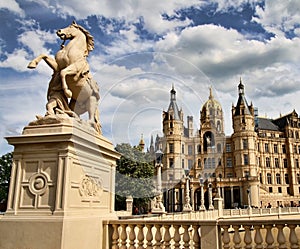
<point x="61" y="189"/>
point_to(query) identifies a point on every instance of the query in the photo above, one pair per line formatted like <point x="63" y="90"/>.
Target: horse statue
<point x="71" y="77"/>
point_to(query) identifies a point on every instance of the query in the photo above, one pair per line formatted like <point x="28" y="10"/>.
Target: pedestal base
<point x="61" y="189"/>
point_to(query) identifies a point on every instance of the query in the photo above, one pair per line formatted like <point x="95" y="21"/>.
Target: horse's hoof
<point x="31" y="65"/>
<point x="68" y="93"/>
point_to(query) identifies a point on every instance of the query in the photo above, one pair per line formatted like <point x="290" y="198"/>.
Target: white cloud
<point x="129" y="10"/>
<point x="12" y="6"/>
<point x="279" y="16"/>
<point x="16" y="60"/>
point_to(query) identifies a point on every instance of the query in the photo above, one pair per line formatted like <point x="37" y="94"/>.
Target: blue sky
<point x="144" y="47"/>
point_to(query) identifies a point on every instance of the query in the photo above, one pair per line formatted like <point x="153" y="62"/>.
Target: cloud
<point x="278" y="16"/>
<point x="129" y="10"/>
<point x="11" y="5"/>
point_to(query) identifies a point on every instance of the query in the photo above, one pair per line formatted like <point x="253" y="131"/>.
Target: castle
<point x="257" y="165"/>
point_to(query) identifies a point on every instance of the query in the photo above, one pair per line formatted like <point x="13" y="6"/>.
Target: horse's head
<point x="68" y="32"/>
<point x="74" y="30"/>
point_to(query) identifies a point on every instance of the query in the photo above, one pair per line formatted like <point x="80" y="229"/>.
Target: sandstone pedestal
<point x="61" y="189"/>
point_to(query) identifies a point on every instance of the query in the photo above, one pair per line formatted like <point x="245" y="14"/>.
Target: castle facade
<point x="257" y="165"/>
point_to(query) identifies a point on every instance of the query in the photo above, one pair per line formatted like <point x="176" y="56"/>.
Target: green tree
<point x="5" y="169"/>
<point x="134" y="176"/>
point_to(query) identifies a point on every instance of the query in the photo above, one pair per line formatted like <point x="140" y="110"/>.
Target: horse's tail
<point x="97" y="122"/>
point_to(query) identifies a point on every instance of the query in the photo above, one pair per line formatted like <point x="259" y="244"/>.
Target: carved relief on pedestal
<point x="38" y="184"/>
<point x="90" y="187"/>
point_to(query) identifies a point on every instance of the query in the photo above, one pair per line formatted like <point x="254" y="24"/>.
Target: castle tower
<point x="212" y="136"/>
<point x="244" y="141"/>
<point x="173" y="132"/>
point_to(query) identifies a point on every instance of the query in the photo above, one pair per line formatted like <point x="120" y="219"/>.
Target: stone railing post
<point x="210" y="235"/>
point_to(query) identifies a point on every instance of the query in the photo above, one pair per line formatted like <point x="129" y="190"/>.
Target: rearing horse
<point x="71" y="65"/>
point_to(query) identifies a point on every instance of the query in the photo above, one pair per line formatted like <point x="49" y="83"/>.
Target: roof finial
<point x="210" y="93"/>
<point x="241" y="87"/>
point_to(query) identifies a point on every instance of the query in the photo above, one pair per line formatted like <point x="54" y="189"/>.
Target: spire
<point x="210" y="93"/>
<point x="173" y="108"/>
<point x="242" y="102"/>
<point x="241" y="87"/>
<point x="142" y="143"/>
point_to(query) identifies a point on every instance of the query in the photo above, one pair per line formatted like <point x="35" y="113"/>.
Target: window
<point x="298" y="178"/>
<point x="209" y="163"/>
<point x="182" y="148"/>
<point x="182" y="163"/>
<point x="295" y="149"/>
<point x="228" y="147"/>
<point x="258" y="147"/>
<point x="275" y="148"/>
<point x="213" y="162"/>
<point x="270" y="189"/>
<point x="199" y="163"/>
<point x="229" y="175"/>
<point x="283" y="149"/>
<point x="171" y="162"/>
<point x="285" y="163"/>
<point x="190" y="150"/>
<point x="229" y="162"/>
<point x="279" y="190"/>
<point x="245" y="144"/>
<point x="269" y="178"/>
<point x="298" y="149"/>
<point x="246" y="159"/>
<point x="286" y="178"/>
<point x="171" y="148"/>
<point x="276" y="162"/>
<point x="199" y="148"/>
<point x="297" y="163"/>
<point x="260" y="178"/>
<point x="278" y="179"/>
<point x="190" y="163"/>
<point x="266" y="148"/>
<point x="268" y="164"/>
<point x="219" y="148"/>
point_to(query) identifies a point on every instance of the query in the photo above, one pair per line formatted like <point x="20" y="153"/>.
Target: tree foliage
<point x="5" y="169"/>
<point x="134" y="176"/>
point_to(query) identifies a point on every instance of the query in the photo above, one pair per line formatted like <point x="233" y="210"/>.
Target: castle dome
<point x="211" y="106"/>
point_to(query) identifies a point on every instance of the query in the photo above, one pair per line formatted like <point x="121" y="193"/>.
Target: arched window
<point x="269" y="178"/>
<point x="278" y="179"/>
<point x="286" y="178"/>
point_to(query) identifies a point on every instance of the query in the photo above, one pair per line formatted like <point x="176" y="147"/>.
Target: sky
<point x="143" y="48"/>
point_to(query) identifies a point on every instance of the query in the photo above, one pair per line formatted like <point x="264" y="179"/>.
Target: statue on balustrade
<point x="72" y="90"/>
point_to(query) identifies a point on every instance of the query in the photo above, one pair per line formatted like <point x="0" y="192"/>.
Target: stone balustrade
<point x="161" y="234"/>
<point x="217" y="234"/>
<point x="250" y="234"/>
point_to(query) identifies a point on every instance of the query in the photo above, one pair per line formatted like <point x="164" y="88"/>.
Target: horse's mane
<point x="89" y="37"/>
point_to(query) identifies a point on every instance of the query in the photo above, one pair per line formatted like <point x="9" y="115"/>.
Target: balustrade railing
<point x="218" y="234"/>
<point x="254" y="234"/>
<point x="161" y="234"/>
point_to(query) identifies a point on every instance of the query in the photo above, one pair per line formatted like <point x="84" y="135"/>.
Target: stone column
<point x="158" y="207"/>
<point x="187" y="206"/>
<point x="129" y="202"/>
<point x="202" y="206"/>
<point x="210" y="202"/>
